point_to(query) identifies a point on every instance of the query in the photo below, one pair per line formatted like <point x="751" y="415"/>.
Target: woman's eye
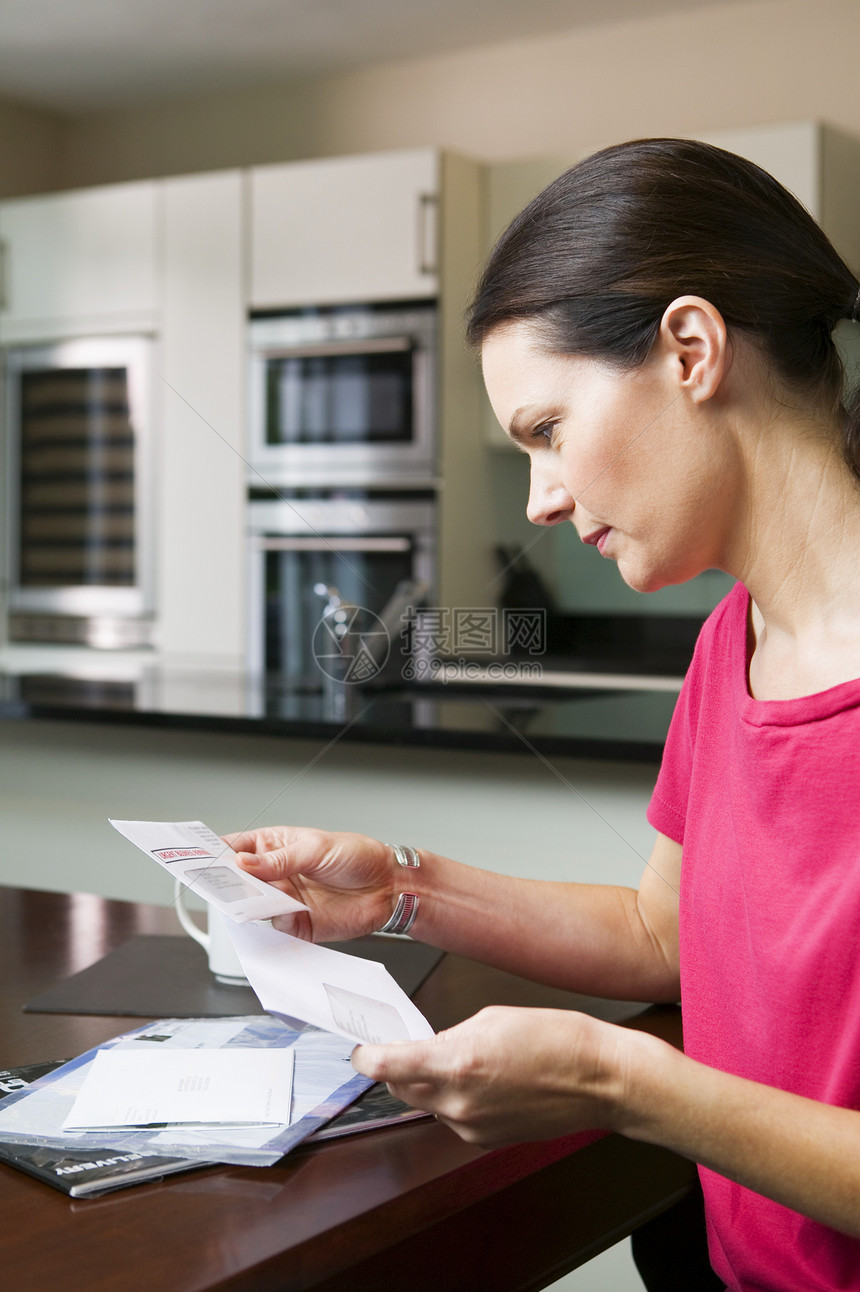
<point x="544" y="432"/>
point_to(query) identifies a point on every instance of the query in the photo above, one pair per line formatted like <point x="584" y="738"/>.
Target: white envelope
<point x="352" y="997"/>
<point x="198" y="858"/>
<point x="223" y="1087"/>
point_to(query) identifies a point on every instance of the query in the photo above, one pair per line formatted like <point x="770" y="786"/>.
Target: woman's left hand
<point x="509" y="1075"/>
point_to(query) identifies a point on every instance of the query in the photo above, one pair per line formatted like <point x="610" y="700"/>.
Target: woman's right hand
<point x="347" y="881"/>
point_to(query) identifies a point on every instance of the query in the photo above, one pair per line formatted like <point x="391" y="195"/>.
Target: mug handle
<point x="192" y="929"/>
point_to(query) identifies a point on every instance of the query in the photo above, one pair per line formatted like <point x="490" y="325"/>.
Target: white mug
<point x="223" y="961"/>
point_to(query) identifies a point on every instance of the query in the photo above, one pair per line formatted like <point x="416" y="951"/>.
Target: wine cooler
<point x="78" y="488"/>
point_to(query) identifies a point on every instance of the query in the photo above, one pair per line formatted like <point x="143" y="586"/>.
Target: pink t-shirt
<point x="765" y="797"/>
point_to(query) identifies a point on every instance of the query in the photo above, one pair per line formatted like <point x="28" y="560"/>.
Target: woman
<point x="655" y="331"/>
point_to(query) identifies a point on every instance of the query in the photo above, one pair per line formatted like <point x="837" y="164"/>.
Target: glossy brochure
<point x="324" y="1084"/>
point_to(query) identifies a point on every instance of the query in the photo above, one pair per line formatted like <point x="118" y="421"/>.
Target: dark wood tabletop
<point x="408" y="1207"/>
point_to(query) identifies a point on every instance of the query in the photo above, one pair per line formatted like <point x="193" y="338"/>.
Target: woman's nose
<point x="549" y="502"/>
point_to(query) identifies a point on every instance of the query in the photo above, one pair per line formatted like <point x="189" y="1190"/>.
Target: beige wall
<point x="730" y="65"/>
<point x="31" y="149"/>
<point x="682" y="72"/>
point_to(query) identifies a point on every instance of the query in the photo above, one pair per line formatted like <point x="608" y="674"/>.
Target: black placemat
<point x="156" y="976"/>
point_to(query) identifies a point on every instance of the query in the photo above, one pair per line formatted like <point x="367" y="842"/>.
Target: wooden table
<point x="409" y="1207"/>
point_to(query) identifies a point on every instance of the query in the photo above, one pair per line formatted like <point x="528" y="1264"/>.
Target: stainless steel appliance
<point x="77" y="483"/>
<point x="344" y="396"/>
<point x="303" y="550"/>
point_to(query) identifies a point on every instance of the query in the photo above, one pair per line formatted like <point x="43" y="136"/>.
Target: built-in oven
<point x="312" y="552"/>
<point x="78" y="489"/>
<point x="344" y="395"/>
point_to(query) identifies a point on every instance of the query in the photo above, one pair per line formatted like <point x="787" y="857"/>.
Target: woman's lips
<point x="597" y="538"/>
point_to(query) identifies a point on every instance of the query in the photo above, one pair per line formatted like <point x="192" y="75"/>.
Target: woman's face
<point x="625" y="456"/>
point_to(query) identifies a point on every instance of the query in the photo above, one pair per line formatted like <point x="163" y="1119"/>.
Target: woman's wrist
<point x="645" y="1080"/>
<point x="405" y="901"/>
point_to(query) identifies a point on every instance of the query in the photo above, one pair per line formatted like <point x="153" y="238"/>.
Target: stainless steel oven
<point x="344" y="395"/>
<point x="78" y="538"/>
<point x="307" y="550"/>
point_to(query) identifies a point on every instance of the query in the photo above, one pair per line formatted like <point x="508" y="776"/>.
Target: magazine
<point x="81" y="1173"/>
<point x="375" y="1109"/>
<point x="91" y="1173"/>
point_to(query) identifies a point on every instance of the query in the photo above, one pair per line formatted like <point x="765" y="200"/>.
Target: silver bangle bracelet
<point x="405" y="855"/>
<point x="404" y="914"/>
<point x="406" y="908"/>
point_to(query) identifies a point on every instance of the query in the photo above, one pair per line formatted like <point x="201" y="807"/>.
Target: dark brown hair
<point x="595" y="259"/>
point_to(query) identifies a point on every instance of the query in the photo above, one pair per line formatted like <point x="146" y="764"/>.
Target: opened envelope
<point x="345" y="994"/>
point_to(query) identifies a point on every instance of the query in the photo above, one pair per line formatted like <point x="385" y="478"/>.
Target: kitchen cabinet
<point x="163" y="258"/>
<point x="80" y="263"/>
<point x="388" y="227"/>
<point x="200" y="478"/>
<point x="183" y="259"/>
<point x="345" y="229"/>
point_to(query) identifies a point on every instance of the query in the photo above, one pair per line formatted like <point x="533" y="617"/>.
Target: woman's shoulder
<point x="727" y="623"/>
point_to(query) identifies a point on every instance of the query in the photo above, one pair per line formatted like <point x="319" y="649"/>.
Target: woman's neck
<point x="798" y="553"/>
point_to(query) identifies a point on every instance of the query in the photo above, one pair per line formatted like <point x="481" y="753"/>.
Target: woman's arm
<point x="601" y="940"/>
<point x="803" y="1154"/>
<point x="509" y="1075"/>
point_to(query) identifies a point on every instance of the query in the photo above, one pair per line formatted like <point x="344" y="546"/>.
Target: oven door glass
<point x="365" y="572"/>
<point x="341" y="395"/>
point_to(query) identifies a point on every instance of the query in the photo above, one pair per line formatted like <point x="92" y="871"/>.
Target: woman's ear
<point x="694" y="340"/>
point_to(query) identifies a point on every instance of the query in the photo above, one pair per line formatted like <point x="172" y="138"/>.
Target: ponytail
<point x="851" y="405"/>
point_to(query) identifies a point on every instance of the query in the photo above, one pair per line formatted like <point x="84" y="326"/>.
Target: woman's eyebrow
<point x="517" y="425"/>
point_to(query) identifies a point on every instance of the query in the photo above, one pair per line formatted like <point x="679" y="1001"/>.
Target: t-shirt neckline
<point x="779" y="713"/>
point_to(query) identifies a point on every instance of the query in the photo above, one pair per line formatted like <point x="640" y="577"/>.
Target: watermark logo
<point x="436" y="644"/>
<point x="351" y="644"/>
<point x="474" y="643"/>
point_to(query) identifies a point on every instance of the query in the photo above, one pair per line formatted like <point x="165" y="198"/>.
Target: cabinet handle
<point x="332" y="544"/>
<point x="341" y="349"/>
<point x="428" y="210"/>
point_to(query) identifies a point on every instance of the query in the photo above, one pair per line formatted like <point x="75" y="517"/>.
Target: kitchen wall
<point x="31" y="150"/>
<point x="679" y="73"/>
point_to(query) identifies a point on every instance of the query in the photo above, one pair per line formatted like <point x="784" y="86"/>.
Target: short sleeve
<point x="710" y="667"/>
<point x="667" y="811"/>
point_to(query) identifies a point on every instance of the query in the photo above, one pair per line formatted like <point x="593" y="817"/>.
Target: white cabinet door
<point x="81" y="261"/>
<point x="201" y="468"/>
<point x="349" y="229"/>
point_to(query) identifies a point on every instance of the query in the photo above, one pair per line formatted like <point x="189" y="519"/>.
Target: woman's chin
<point x="641" y="580"/>
<point x="645" y="571"/>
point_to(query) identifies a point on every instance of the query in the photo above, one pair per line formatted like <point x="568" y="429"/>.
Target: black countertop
<point x="578" y="709"/>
